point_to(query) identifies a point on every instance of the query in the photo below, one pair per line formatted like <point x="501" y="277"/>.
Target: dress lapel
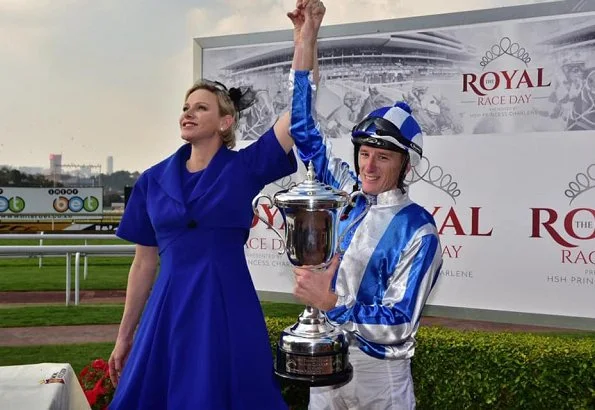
<point x="170" y="175"/>
<point x="211" y="173"/>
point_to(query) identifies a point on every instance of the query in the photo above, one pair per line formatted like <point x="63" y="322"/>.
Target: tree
<point x="13" y="177"/>
<point x="115" y="183"/>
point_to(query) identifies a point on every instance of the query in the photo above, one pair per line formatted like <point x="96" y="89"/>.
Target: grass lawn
<point x="100" y="314"/>
<point x="61" y="315"/>
<point x="272" y="309"/>
<point x="25" y="275"/>
<point x="104" y="314"/>
<point x="77" y="355"/>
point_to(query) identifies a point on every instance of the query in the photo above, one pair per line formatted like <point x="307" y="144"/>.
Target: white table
<point x="25" y="387"/>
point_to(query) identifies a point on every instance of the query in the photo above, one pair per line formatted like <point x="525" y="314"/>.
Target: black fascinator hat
<point x="242" y="97"/>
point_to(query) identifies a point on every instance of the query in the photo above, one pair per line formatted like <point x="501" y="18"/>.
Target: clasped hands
<point x="307" y="18"/>
<point x="313" y="287"/>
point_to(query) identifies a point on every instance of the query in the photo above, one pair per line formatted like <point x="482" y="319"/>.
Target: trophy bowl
<point x="312" y="351"/>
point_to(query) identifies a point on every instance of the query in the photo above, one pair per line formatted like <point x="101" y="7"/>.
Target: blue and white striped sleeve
<point x="394" y="319"/>
<point x="311" y="145"/>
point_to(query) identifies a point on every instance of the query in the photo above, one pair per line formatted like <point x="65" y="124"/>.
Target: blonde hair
<point x="226" y="107"/>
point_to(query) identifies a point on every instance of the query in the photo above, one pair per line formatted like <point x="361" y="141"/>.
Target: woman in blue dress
<point x="202" y="342"/>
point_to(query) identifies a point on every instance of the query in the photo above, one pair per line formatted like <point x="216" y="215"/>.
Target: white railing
<point x="68" y="250"/>
<point x="107" y="217"/>
<point x="53" y="236"/>
<point x="42" y="235"/>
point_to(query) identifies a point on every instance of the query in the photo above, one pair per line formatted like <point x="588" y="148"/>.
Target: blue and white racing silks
<point x="393" y="255"/>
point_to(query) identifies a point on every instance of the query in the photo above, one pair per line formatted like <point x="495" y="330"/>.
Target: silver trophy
<point x="312" y="350"/>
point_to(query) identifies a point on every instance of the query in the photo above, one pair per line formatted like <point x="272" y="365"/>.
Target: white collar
<point x="392" y="197"/>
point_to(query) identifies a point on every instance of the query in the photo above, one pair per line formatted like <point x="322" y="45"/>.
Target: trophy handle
<point x="352" y="197"/>
<point x="255" y="209"/>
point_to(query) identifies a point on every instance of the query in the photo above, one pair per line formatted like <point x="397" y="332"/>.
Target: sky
<point x="88" y="79"/>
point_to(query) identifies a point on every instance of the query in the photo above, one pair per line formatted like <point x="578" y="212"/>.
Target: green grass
<point x="26" y="275"/>
<point x="272" y="309"/>
<point x="52" y="315"/>
<point x="78" y="355"/>
<point x="61" y="315"/>
<point x="99" y="314"/>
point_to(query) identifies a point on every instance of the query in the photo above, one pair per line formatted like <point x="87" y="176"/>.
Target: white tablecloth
<point x="26" y="387"/>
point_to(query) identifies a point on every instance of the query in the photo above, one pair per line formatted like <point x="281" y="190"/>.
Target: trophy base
<point x="313" y="352"/>
<point x="317" y="380"/>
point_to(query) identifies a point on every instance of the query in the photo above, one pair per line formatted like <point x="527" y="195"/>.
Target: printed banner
<point x="508" y="110"/>
<point x="55" y="201"/>
<point x="512" y="76"/>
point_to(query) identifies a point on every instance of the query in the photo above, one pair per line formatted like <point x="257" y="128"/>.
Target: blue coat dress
<point x="202" y="342"/>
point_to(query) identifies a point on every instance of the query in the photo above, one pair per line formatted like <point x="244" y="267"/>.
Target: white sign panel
<point x="57" y="201"/>
<point x="508" y="109"/>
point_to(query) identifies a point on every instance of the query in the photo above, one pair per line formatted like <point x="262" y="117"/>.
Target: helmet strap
<point x="356" y="158"/>
<point x="402" y="174"/>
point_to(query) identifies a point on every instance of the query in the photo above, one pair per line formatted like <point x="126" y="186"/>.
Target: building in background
<point x="110" y="165"/>
<point x="55" y="167"/>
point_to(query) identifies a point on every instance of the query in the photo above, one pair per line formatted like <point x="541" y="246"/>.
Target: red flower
<point x="98" y="389"/>
<point x="100" y="364"/>
<point x="91" y="397"/>
<point x="96" y="384"/>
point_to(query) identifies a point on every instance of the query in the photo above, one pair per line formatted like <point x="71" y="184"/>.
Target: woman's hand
<point x="118" y="358"/>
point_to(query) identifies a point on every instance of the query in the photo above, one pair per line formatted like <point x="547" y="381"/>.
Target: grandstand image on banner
<point x="525" y="75"/>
